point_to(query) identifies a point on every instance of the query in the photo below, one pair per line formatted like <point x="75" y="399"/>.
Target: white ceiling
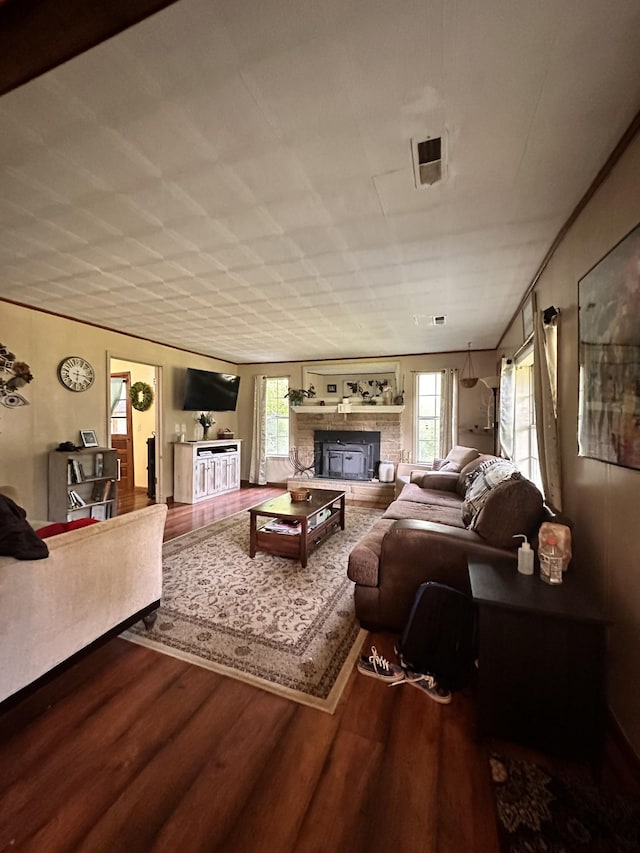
<point x="235" y="178"/>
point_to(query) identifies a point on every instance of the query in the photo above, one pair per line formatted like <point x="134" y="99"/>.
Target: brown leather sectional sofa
<point x="471" y="506"/>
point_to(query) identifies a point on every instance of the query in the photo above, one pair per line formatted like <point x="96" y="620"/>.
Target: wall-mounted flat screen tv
<point x="206" y="391"/>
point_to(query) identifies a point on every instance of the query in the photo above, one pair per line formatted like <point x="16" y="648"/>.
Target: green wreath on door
<point x="141" y="396"/>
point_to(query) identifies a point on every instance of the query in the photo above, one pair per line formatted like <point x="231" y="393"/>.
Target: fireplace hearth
<point x="346" y="455"/>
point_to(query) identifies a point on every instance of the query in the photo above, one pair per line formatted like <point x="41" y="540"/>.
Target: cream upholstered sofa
<point x="95" y="580"/>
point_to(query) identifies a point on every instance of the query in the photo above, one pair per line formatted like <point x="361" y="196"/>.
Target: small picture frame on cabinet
<point x="99" y="512"/>
<point x="88" y="438"/>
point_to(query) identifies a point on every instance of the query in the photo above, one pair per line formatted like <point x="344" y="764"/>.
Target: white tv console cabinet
<point x="204" y="469"/>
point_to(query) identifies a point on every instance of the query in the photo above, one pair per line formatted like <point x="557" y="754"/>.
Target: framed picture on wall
<point x="609" y="354"/>
<point x="332" y="388"/>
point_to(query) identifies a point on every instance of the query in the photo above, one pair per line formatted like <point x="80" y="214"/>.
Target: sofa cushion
<point x="445" y="480"/>
<point x="414" y="494"/>
<point x="458" y="457"/>
<point x="442" y="514"/>
<point x="514" y="506"/>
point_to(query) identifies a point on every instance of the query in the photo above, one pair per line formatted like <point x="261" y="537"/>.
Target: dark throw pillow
<point x="17" y="538"/>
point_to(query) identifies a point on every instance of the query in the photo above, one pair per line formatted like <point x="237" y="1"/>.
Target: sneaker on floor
<point x="379" y="667"/>
<point x="427" y="684"/>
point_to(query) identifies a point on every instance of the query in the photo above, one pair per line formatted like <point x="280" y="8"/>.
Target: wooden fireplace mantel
<point x="359" y="409"/>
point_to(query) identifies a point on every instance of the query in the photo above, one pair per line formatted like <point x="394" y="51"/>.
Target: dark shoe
<point x="427" y="684"/>
<point x="379" y="667"/>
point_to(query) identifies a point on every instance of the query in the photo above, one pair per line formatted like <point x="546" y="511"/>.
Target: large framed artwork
<point x="609" y="355"/>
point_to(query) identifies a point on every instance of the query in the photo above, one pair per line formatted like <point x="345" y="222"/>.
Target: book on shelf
<point x="101" y="490"/>
<point x="288" y="526"/>
<point x="75" y="472"/>
<point x="75" y="500"/>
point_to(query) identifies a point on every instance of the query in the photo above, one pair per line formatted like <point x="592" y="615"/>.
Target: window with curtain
<point x="277" y="416"/>
<point x="525" y="440"/>
<point x="428" y="407"/>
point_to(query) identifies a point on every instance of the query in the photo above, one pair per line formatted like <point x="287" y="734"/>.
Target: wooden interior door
<point x="122" y="429"/>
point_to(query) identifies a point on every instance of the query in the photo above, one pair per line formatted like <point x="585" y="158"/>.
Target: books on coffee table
<point x="288" y="526"/>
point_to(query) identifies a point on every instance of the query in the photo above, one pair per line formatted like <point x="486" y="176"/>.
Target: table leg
<point x="252" y="534"/>
<point x="342" y="502"/>
<point x="303" y="543"/>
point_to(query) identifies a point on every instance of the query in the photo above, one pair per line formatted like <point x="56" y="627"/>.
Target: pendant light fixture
<point x="467" y="378"/>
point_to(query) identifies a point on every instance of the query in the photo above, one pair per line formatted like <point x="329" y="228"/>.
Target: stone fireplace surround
<point x="387" y="424"/>
<point x="305" y="425"/>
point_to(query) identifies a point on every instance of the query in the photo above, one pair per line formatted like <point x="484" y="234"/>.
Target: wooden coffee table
<point x="297" y="545"/>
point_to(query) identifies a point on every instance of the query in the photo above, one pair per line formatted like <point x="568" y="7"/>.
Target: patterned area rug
<point x="265" y="620"/>
<point x="539" y="813"/>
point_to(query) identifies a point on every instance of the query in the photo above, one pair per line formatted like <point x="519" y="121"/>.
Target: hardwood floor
<point x="132" y="750"/>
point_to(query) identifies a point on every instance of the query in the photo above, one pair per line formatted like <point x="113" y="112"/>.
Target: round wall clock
<point x="76" y="373"/>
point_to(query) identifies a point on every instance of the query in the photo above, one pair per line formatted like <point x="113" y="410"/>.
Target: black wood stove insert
<point x="346" y="454"/>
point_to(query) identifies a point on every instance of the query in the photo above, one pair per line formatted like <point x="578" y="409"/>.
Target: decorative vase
<point x="205" y="433"/>
<point x="387" y="396"/>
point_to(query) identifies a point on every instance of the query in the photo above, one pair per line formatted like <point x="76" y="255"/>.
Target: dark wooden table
<point x="541" y="650"/>
<point x="296" y="545"/>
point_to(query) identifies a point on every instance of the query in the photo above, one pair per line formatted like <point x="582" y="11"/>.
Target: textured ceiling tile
<point x="252" y="164"/>
<point x="257" y="275"/>
<point x="26" y="195"/>
<point x="168" y="139"/>
<point x="118" y="211"/>
<point x="54" y="172"/>
<point x="251" y="224"/>
<point x="237" y="257"/>
<point x="299" y="211"/>
<point x="216" y="188"/>
<point x="204" y="233"/>
<point x="80" y="225"/>
<point x="275" y="249"/>
<point x="331" y="263"/>
<point x="165" y="201"/>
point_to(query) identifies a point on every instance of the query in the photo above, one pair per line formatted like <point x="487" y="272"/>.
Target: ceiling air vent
<point x="439" y="320"/>
<point x="427" y="161"/>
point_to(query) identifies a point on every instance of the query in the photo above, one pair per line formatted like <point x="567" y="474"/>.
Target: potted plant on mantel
<point x="297" y="395"/>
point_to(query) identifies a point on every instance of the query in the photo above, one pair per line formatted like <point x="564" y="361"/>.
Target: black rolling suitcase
<point x="440" y="636"/>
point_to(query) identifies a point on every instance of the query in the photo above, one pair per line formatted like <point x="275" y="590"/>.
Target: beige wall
<point x="55" y="414"/>
<point x="601" y="498"/>
<point x="472" y="408"/>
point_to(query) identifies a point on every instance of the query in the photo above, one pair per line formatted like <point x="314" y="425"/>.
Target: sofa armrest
<point x="410" y="547"/>
<point x="414" y="552"/>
